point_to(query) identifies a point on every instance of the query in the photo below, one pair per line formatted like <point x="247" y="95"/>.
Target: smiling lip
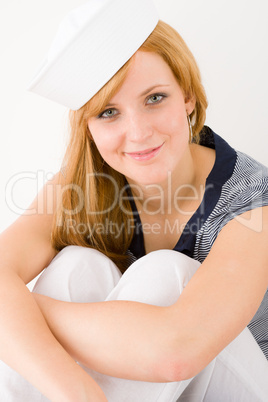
<point x="144" y="155"/>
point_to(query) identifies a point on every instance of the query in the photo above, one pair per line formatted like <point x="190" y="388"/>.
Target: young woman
<point x="148" y="199"/>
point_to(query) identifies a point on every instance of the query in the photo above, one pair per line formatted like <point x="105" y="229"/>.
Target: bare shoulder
<point x="244" y="240"/>
<point x="240" y="254"/>
<point x="25" y="246"/>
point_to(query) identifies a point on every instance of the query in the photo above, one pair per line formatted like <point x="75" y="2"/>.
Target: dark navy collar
<point x="222" y="170"/>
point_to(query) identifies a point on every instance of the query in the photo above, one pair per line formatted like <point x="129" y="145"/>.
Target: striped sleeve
<point x="248" y="187"/>
<point x="246" y="190"/>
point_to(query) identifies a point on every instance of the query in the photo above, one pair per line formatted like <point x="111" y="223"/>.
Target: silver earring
<point x="190" y="129"/>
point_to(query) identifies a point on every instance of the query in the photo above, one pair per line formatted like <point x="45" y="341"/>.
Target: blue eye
<point x="156" y="98"/>
<point x="107" y="114"/>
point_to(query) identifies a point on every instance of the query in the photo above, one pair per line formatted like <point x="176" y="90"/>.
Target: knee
<point x="157" y="278"/>
<point x="77" y="255"/>
<point x="164" y="262"/>
<point x="73" y="257"/>
<point x="78" y="274"/>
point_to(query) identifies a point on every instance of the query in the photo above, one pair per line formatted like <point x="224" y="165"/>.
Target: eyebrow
<point x="143" y="93"/>
<point x="153" y="87"/>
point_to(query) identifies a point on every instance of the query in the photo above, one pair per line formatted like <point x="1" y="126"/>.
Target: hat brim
<point x="75" y="73"/>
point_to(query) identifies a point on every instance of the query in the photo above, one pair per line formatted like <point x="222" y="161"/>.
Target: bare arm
<point x="144" y="342"/>
<point x="26" y="342"/>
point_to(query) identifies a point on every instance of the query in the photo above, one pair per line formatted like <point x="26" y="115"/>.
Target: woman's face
<point x="143" y="132"/>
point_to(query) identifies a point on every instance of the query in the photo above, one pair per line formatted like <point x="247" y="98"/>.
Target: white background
<point x="228" y="38"/>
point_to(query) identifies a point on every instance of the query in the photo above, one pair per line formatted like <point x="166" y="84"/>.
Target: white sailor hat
<point x="92" y="43"/>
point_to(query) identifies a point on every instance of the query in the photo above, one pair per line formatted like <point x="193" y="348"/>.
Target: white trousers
<point x="238" y="374"/>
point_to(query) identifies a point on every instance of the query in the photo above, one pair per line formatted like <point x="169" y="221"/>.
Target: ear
<point x="190" y="103"/>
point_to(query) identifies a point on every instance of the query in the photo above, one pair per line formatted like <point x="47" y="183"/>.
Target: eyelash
<point x="163" y="96"/>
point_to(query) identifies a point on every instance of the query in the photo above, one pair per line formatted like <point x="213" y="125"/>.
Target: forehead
<point x="147" y="69"/>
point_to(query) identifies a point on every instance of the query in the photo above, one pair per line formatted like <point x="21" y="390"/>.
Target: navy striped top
<point x="236" y="184"/>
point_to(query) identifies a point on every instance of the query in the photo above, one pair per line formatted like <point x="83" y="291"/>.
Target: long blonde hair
<point x="95" y="210"/>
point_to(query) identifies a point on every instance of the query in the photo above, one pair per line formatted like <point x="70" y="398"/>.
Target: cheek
<point x="173" y="121"/>
<point x="105" y="140"/>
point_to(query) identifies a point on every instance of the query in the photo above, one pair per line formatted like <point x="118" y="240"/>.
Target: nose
<point x="138" y="128"/>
